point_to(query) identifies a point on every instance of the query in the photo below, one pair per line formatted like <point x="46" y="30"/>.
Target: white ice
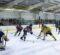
<point x="32" y="46"/>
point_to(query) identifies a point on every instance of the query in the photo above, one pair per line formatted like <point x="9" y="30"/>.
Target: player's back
<point x="46" y="29"/>
<point x="1" y="33"/>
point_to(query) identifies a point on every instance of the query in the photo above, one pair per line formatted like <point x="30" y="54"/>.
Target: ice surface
<point x="32" y="46"/>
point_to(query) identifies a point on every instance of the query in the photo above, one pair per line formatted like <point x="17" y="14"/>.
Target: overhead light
<point x="9" y="9"/>
<point x="12" y="9"/>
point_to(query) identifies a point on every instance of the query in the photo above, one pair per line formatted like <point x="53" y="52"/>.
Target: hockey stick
<point x="35" y="35"/>
<point x="39" y="36"/>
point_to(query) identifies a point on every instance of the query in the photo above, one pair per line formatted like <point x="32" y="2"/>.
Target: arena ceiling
<point x="31" y="5"/>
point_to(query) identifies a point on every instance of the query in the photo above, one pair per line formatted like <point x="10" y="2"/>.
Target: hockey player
<point x="57" y="25"/>
<point x="2" y="38"/>
<point x="1" y="35"/>
<point x="46" y="30"/>
<point x="26" y="29"/>
<point x="19" y="29"/>
<point x="59" y="28"/>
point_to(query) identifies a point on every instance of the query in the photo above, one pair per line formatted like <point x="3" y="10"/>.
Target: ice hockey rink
<point x="26" y="12"/>
<point x="32" y="45"/>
